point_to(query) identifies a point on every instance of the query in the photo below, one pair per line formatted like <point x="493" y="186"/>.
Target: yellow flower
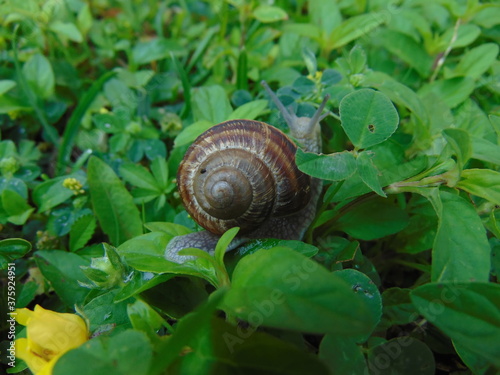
<point x="49" y="336"/>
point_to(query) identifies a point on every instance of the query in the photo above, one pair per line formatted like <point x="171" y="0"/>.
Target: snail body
<point x="242" y="173"/>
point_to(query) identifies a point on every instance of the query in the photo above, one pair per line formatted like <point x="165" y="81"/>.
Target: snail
<point x="243" y="173"/>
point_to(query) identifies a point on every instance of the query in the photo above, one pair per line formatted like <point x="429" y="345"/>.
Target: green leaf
<point x="460" y="229"/>
<point x="476" y="61"/>
<point x="402" y="355"/>
<point x="366" y="290"/>
<point x="39" y="75"/>
<point x="159" y="168"/>
<point x="190" y="133"/>
<point x="210" y="103"/>
<point x="342" y="355"/>
<point x="325" y="14"/>
<point x="106" y="314"/>
<point x="368" y="117"/>
<point x="467" y="312"/>
<point x="484" y="183"/>
<point x="283" y="289"/>
<point x="396" y="92"/>
<point x="333" y="167"/>
<point x="269" y="13"/>
<point x="72" y="126"/>
<point x="375" y="218"/>
<point x="485" y="150"/>
<point x="6" y="85"/>
<point x="249" y="111"/>
<point x="368" y="172"/>
<point x="223" y="243"/>
<point x="62" y="270"/>
<point x="15" y="207"/>
<point x="125" y="353"/>
<point x="353" y="28"/>
<point x="155" y="49"/>
<point x="12" y="249"/>
<point x="453" y="91"/>
<point x="408" y="50"/>
<point x="81" y="232"/>
<point x="51" y="193"/>
<point x="227" y="349"/>
<point x="138" y="176"/>
<point x="187" y="331"/>
<point x="144" y="318"/>
<point x="268" y="243"/>
<point x="66" y="30"/>
<point x="460" y="142"/>
<point x="113" y="204"/>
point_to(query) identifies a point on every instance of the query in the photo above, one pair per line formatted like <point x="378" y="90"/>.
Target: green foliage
<point x="399" y="270"/>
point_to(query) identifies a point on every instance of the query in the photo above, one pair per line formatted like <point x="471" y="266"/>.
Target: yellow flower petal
<point x="23" y="316"/>
<point x="34" y="362"/>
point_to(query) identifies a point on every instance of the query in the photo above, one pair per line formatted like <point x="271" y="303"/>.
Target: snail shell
<point x="240" y="173"/>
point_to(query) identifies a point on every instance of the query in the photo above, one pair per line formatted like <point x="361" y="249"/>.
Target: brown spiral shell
<point x="239" y="173"/>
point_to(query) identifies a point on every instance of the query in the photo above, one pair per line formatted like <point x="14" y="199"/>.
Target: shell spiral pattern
<point x="240" y="173"/>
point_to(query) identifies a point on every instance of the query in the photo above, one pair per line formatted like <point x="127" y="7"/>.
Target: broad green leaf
<point x="51" y="193"/>
<point x="467" y="312"/>
<point x="171" y="229"/>
<point x="147" y="253"/>
<point x="269" y="13"/>
<point x="488" y="16"/>
<point x="105" y="314"/>
<point x="352" y="28"/>
<point x="138" y="176"/>
<point x="342" y="355"/>
<point x="155" y="49"/>
<point x="113" y="204"/>
<point x="125" y="353"/>
<point x="281" y="288"/>
<point x="461" y="144"/>
<point x="66" y="30"/>
<point x="477" y="61"/>
<point x="452" y="91"/>
<point x="84" y="19"/>
<point x="375" y="218"/>
<point x="62" y="270"/>
<point x="368" y="117"/>
<point x="249" y="111"/>
<point x="81" y="232"/>
<point x="6" y="85"/>
<point x="39" y="75"/>
<point x="144" y="318"/>
<point x="484" y="183"/>
<point x="485" y="150"/>
<point x="396" y="92"/>
<point x="16" y="208"/>
<point x="12" y="249"/>
<point x="325" y="14"/>
<point x="368" y="173"/>
<point x="190" y="133"/>
<point x="223" y="348"/>
<point x="408" y="50"/>
<point x="366" y="290"/>
<point x="268" y="243"/>
<point x="461" y="251"/>
<point x="159" y="168"/>
<point x="187" y="331"/>
<point x="210" y="103"/>
<point x="402" y="355"/>
<point x="333" y="167"/>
